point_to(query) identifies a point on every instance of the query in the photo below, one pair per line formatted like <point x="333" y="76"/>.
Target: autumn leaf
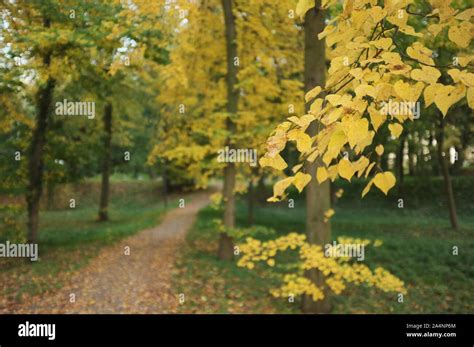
<point x="395" y="129"/>
<point x="384" y="181"/>
<point x="301" y="180"/>
<point x="345" y="170"/>
<point x="321" y="174"/>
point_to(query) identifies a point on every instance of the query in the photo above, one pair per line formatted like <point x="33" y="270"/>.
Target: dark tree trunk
<point x="443" y="159"/>
<point x="260" y="190"/>
<point x="318" y="196"/>
<point x="106" y="164"/>
<point x="36" y="161"/>
<point x="250" y="203"/>
<point x="226" y="243"/>
<point x="399" y="160"/>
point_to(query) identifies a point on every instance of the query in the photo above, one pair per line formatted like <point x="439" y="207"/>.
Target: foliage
<point x="369" y="70"/>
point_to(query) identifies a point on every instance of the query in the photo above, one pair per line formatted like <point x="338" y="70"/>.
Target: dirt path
<point x="114" y="282"/>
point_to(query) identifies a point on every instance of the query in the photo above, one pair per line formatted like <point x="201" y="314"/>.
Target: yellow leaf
<point x="409" y="30"/>
<point x="420" y="53"/>
<point x="303" y="140"/>
<point x="379" y="149"/>
<point x="369" y="168"/>
<point x="338" y="139"/>
<point x="367" y="188"/>
<point x="313" y="92"/>
<point x="383" y="43"/>
<point x="321" y="174"/>
<point x="461" y="34"/>
<point x="276" y="162"/>
<point x="462" y="76"/>
<point x="345" y="170"/>
<point x="358" y="131"/>
<point x="328" y="214"/>
<point x="446" y="96"/>
<point x="301" y="180"/>
<point x="384" y="181"/>
<point x="470" y="97"/>
<point x="280" y="187"/>
<point x="427" y="74"/>
<point x="395" y="129"/>
<point x="296" y="168"/>
<point x="377" y="13"/>
<point x="365" y="89"/>
<point x="430" y="93"/>
<point x="408" y="92"/>
<point x="360" y="165"/>
<point x="466" y="15"/>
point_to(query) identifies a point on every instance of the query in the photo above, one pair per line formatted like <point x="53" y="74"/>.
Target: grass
<point x="69" y="238"/>
<point x="417" y="247"/>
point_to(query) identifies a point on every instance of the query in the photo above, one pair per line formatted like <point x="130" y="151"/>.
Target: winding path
<point x="140" y="282"/>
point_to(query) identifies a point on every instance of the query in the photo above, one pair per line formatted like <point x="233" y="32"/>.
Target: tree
<point x="318" y="196"/>
<point x="226" y="245"/>
<point x="368" y="72"/>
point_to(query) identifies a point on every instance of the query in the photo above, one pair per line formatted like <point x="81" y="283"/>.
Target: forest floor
<point x="132" y="275"/>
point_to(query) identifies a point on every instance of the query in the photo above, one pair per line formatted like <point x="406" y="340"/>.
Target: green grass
<point x="69" y="238"/>
<point x="417" y="247"/>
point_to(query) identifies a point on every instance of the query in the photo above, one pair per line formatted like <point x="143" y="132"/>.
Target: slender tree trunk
<point x="35" y="164"/>
<point x="106" y="163"/>
<point x="318" y="196"/>
<point x="260" y="190"/>
<point x="250" y="202"/>
<point x="226" y="243"/>
<point x="444" y="165"/>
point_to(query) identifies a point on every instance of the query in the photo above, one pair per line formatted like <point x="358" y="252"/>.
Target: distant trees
<point x="52" y="50"/>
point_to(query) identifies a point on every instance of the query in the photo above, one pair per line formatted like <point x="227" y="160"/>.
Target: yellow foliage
<point x="339" y="271"/>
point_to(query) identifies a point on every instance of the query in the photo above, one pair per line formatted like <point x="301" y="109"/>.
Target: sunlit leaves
<point x="373" y="83"/>
<point x="276" y="162"/>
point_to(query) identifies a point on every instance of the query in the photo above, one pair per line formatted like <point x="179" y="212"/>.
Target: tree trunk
<point x="261" y="193"/>
<point x="35" y="164"/>
<point x="444" y="165"/>
<point x="318" y="196"/>
<point x="226" y="243"/>
<point x="106" y="163"/>
<point x="399" y="160"/>
<point x="250" y="203"/>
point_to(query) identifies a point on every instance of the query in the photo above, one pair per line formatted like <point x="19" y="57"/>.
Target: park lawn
<point x="417" y="247"/>
<point x="69" y="238"/>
